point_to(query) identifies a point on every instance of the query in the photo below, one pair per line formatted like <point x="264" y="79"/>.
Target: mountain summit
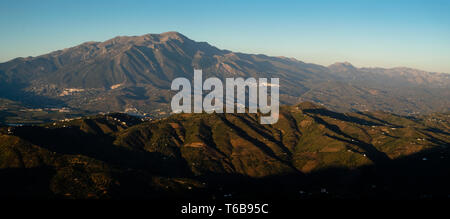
<point x="342" y="66"/>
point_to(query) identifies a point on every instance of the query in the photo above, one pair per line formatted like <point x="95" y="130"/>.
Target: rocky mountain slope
<point x="133" y="74"/>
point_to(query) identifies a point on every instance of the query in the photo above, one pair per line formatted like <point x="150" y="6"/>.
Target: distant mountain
<point x="400" y="76"/>
<point x="133" y="74"/>
<point x="216" y="156"/>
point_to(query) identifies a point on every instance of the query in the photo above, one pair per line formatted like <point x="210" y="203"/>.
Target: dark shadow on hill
<point x="135" y="93"/>
<point x="410" y="177"/>
<point x="424" y="175"/>
<point x="340" y="116"/>
<point x="74" y="141"/>
<point x="372" y="153"/>
<point x="261" y="130"/>
<point x="16" y="92"/>
<point x="254" y="141"/>
<point x="375" y="118"/>
<point x="437" y="131"/>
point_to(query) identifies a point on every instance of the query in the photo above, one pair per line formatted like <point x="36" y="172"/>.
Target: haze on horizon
<point x="383" y="33"/>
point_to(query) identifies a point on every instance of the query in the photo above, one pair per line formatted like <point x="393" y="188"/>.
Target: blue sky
<point x="366" y="33"/>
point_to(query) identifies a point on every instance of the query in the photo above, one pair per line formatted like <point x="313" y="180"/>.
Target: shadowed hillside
<point x="311" y="152"/>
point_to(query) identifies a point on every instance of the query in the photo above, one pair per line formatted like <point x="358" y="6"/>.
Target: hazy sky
<point x="366" y="33"/>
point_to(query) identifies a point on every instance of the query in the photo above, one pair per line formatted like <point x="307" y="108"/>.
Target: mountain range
<point x="93" y="122"/>
<point x="133" y="74"/>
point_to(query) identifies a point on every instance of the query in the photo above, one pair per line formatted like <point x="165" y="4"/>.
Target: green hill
<point x="209" y="155"/>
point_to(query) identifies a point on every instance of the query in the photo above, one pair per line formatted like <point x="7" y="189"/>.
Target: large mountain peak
<point x="342" y="66"/>
<point x="173" y="35"/>
<point x="147" y="39"/>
